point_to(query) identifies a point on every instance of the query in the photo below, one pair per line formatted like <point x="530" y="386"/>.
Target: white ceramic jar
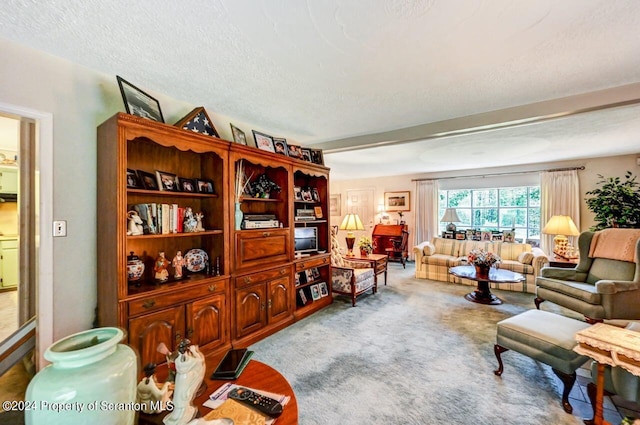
<point x="91" y="380"/>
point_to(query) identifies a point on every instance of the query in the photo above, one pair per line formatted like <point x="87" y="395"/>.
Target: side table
<point x="378" y="262"/>
<point x="562" y="262"/>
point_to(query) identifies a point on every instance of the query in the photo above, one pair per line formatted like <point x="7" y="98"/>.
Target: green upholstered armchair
<point x="601" y="286"/>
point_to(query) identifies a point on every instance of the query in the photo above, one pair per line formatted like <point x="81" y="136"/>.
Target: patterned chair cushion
<point x="364" y="279"/>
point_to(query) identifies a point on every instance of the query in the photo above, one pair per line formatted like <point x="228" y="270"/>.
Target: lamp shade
<point x="450" y="216"/>
<point x="351" y="222"/>
<point x="561" y="225"/>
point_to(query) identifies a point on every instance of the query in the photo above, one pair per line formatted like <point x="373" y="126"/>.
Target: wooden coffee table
<point x="483" y="294"/>
<point x="256" y="375"/>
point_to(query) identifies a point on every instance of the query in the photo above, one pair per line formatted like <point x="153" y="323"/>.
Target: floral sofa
<point x="433" y="260"/>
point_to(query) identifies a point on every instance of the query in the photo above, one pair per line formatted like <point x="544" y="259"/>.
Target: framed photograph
<point x="167" y="181"/>
<point x="324" y="290"/>
<point x="139" y="103"/>
<point x="280" y="145"/>
<point x="306" y="154"/>
<point x="306" y="194"/>
<point x="315" y="195"/>
<point x="317" y="157"/>
<point x="149" y="180"/>
<point x="204" y="186"/>
<point x="496" y="236"/>
<point x="238" y="135"/>
<point x="187" y="185"/>
<point x="385" y="218"/>
<point x="315" y="273"/>
<point x="335" y="205"/>
<point x="198" y="121"/>
<point x="263" y="141"/>
<point x="447" y="235"/>
<point x="315" y="292"/>
<point x="295" y="151"/>
<point x="133" y="181"/>
<point x="509" y="236"/>
<point x="397" y="201"/>
<point x="318" y="212"/>
<point x="309" y="275"/>
<point x="297" y="193"/>
<point x="303" y="297"/>
<point x="486" y="236"/>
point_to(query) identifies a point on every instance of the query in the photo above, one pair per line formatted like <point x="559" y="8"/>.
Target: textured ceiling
<point x="317" y="71"/>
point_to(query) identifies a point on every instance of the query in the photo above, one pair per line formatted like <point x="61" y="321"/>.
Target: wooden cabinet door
<point x="250" y="309"/>
<point x="9" y="260"/>
<point x="207" y="323"/>
<point x="279" y="299"/>
<point x="146" y="332"/>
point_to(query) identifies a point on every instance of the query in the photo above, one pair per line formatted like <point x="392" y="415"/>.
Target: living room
<point x="70" y="98"/>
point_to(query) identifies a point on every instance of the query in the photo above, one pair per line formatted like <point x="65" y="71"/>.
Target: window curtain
<point x="426" y="210"/>
<point x="559" y="195"/>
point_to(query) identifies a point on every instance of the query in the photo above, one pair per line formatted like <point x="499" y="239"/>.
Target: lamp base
<point x="351" y="240"/>
<point x="451" y="227"/>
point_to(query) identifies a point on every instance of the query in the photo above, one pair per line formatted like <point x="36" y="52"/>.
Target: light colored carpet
<point x="415" y="353"/>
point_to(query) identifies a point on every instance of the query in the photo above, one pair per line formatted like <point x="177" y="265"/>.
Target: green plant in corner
<point x="616" y="203"/>
<point x="364" y="243"/>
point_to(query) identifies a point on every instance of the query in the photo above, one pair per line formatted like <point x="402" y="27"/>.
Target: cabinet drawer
<point x="261" y="247"/>
<point x="316" y="262"/>
<point x="264" y="276"/>
<point x="381" y="266"/>
<point x="154" y="302"/>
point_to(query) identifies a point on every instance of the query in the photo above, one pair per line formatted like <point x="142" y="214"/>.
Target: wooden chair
<point x="399" y="250"/>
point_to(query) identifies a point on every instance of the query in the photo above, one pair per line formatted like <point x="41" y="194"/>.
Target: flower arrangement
<point x="364" y="243"/>
<point x="263" y="186"/>
<point x="480" y="257"/>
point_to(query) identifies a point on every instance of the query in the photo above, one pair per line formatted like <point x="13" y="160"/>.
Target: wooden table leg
<point x="598" y="419"/>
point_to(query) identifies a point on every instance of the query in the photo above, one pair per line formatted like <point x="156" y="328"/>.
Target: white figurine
<point x="190" y="222"/>
<point x="190" y="369"/>
<point x="135" y="224"/>
<point x="153" y="398"/>
<point x="199" y="217"/>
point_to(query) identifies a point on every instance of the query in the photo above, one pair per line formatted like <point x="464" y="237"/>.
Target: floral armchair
<point x="350" y="277"/>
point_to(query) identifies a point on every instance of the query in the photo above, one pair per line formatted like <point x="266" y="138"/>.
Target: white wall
<point x="608" y="167"/>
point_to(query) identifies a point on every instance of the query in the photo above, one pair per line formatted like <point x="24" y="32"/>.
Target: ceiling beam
<point x="487" y="121"/>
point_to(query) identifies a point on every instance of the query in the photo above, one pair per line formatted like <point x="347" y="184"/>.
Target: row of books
<point x="160" y="219"/>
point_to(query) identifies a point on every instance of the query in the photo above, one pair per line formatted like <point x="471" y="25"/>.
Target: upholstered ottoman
<point x="547" y="338"/>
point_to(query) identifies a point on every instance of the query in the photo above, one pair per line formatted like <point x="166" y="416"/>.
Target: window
<point x="497" y="209"/>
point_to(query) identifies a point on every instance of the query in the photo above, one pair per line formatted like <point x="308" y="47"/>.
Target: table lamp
<point x="561" y="226"/>
<point x="450" y="215"/>
<point x="350" y="223"/>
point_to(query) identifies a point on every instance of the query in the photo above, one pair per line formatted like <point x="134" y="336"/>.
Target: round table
<point x="483" y="294"/>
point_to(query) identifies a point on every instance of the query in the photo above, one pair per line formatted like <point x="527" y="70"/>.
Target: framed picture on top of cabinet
<point x="198" y="121"/>
<point x="306" y="154"/>
<point x="280" y="145"/>
<point x="397" y="201"/>
<point x="139" y="103"/>
<point x="264" y="141"/>
<point x="238" y="135"/>
<point x="316" y="156"/>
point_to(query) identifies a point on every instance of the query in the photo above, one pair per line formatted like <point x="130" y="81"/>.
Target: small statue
<point x="160" y="267"/>
<point x="199" y="217"/>
<point x="178" y="263"/>
<point x="135" y="224"/>
<point x="190" y="369"/>
<point x="190" y="222"/>
<point x="152" y="397"/>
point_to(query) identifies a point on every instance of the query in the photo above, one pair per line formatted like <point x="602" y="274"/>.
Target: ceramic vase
<point x="482" y="271"/>
<point x="238" y="216"/>
<point x="91" y="380"/>
<point x="135" y="268"/>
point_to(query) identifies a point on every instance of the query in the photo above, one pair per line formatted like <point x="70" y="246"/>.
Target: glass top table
<point x="483" y="294"/>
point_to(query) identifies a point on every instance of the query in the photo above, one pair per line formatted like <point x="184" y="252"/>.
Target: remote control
<point x="266" y="405"/>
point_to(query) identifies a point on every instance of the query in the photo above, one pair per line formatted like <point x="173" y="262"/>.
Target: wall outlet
<point x="59" y="228"/>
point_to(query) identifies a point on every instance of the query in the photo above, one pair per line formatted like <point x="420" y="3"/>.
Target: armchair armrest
<point x="563" y="274"/>
<point x="357" y="264"/>
<point x="539" y="260"/>
<point x="342" y="271"/>
<point x="423" y="250"/>
<point x="613" y="286"/>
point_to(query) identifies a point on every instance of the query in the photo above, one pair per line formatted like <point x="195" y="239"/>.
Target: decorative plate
<point x="196" y="260"/>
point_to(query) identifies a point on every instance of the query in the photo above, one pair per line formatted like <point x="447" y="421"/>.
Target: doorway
<point x="25" y="249"/>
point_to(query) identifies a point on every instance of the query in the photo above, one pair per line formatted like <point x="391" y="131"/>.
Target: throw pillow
<point x="525" y="258"/>
<point x="429" y="249"/>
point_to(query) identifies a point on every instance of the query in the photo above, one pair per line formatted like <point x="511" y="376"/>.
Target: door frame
<point x="44" y="257"/>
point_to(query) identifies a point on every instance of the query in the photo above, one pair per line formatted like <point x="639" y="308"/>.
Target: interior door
<point x="361" y="202"/>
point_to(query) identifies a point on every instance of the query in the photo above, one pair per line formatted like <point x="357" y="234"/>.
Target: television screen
<point x="305" y="239"/>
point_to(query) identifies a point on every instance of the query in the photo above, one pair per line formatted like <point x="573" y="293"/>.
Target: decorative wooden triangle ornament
<point x="199" y="122"/>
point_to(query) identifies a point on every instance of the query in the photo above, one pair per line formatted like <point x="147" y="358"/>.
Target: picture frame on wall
<point x="238" y="135"/>
<point x="335" y="204"/>
<point x="139" y="103"/>
<point x="397" y="201"/>
<point x="263" y="141"/>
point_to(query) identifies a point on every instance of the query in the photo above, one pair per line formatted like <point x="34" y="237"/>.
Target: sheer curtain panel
<point x="559" y="195"/>
<point x="426" y="210"/>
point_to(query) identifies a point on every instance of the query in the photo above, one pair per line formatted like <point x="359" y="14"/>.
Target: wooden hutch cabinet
<point x="246" y="290"/>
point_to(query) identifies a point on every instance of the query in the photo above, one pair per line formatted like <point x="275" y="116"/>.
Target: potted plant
<point x="616" y="203"/>
<point x="365" y="245"/>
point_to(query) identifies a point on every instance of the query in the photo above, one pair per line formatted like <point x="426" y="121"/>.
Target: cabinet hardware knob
<point x="266" y="234"/>
<point x="270" y="303"/>
<point x="149" y="303"/>
<point x="262" y="306"/>
<point x="247" y="279"/>
<point x="283" y="271"/>
<point x="212" y="288"/>
<point x="178" y="336"/>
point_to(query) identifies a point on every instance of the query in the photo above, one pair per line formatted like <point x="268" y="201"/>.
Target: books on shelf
<point x="160" y="219"/>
